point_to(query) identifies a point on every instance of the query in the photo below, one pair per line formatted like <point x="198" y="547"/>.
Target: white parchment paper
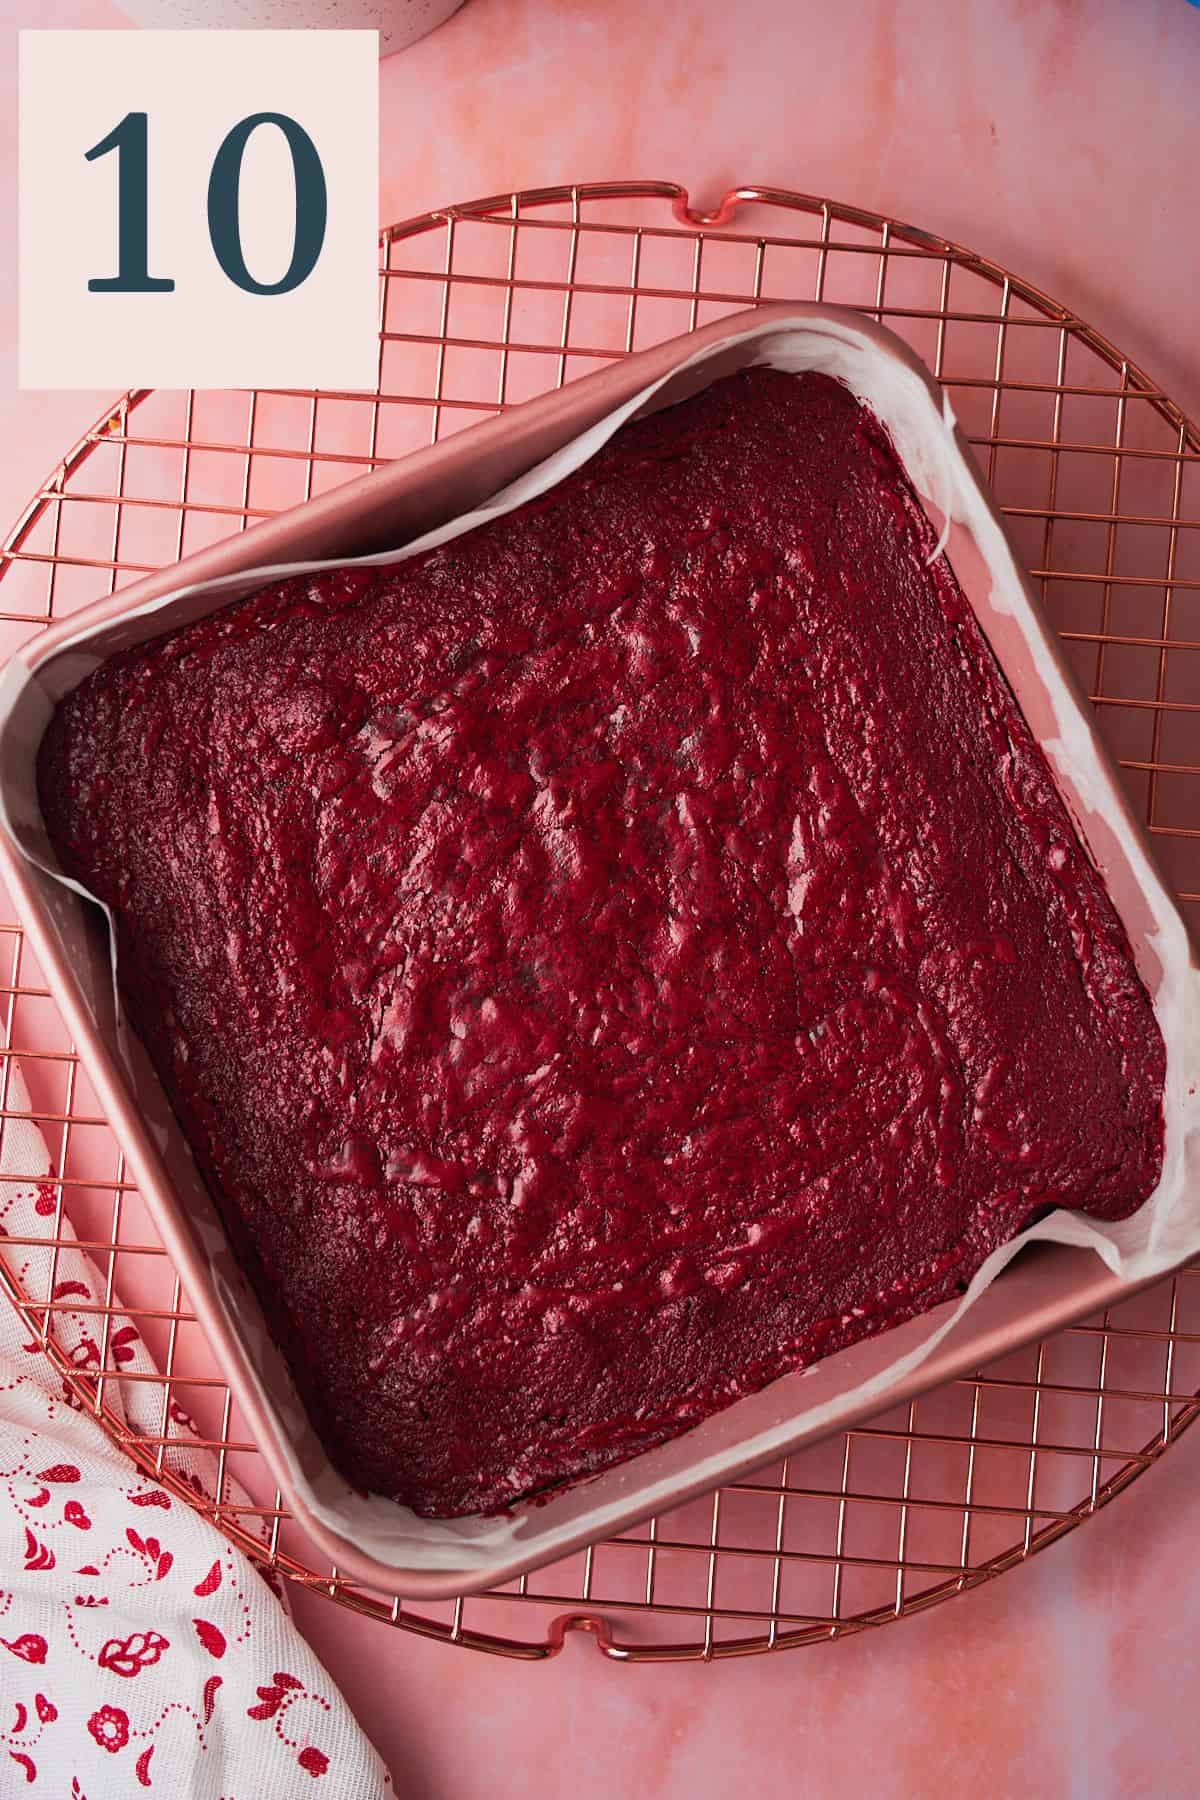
<point x="1165" y="1232"/>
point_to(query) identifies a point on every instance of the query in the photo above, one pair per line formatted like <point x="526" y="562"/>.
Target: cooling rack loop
<point x="597" y="1627"/>
<point x="721" y="214"/>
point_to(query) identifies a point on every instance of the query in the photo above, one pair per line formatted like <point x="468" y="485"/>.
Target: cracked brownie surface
<point x="613" y="959"/>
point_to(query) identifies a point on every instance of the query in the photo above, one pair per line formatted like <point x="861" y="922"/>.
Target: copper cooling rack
<point x="1099" y="475"/>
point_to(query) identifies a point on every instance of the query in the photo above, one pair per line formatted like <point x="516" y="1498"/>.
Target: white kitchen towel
<point x="140" y="1653"/>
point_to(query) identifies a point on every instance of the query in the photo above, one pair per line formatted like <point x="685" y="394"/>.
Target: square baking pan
<point x="438" y="493"/>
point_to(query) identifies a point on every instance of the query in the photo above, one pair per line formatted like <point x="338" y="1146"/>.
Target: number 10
<point x="129" y="140"/>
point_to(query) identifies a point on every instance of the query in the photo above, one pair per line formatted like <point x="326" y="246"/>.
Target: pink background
<point x="1061" y="137"/>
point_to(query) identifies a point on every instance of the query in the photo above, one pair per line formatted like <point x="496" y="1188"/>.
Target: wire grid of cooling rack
<point x="1098" y="473"/>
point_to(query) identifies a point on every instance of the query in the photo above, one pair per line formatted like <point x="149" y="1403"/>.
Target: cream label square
<point x="198" y="209"/>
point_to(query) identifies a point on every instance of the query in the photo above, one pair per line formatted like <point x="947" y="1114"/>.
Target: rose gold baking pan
<point x="1068" y="1266"/>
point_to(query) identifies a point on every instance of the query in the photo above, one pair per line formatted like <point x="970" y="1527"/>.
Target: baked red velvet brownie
<point x="615" y="958"/>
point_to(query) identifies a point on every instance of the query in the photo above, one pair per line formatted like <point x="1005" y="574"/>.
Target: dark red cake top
<point x="616" y="957"/>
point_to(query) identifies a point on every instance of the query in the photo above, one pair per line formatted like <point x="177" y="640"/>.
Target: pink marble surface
<point x="1061" y="137"/>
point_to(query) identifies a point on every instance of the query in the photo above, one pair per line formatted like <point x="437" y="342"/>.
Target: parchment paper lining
<point x="1165" y="1232"/>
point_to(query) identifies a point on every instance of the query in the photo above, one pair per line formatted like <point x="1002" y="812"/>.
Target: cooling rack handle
<point x="721" y="214"/>
<point x="598" y="1627"/>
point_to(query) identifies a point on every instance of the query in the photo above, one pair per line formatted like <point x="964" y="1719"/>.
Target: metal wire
<point x="1099" y="474"/>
